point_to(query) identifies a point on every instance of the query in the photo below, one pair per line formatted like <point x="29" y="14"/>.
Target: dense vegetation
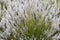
<point x="29" y="25"/>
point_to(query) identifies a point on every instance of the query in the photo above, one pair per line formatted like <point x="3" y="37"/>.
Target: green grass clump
<point x="33" y="27"/>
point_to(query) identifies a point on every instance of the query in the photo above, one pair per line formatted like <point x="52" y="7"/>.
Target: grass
<point x="3" y="5"/>
<point x="58" y="4"/>
<point x="0" y="17"/>
<point x="34" y="27"/>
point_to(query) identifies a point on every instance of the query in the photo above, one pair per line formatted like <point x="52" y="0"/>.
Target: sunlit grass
<point x="32" y="28"/>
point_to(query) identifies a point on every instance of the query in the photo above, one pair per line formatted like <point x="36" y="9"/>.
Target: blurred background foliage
<point x="58" y="4"/>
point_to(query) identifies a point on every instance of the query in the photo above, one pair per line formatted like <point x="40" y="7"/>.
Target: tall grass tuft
<point x="32" y="27"/>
